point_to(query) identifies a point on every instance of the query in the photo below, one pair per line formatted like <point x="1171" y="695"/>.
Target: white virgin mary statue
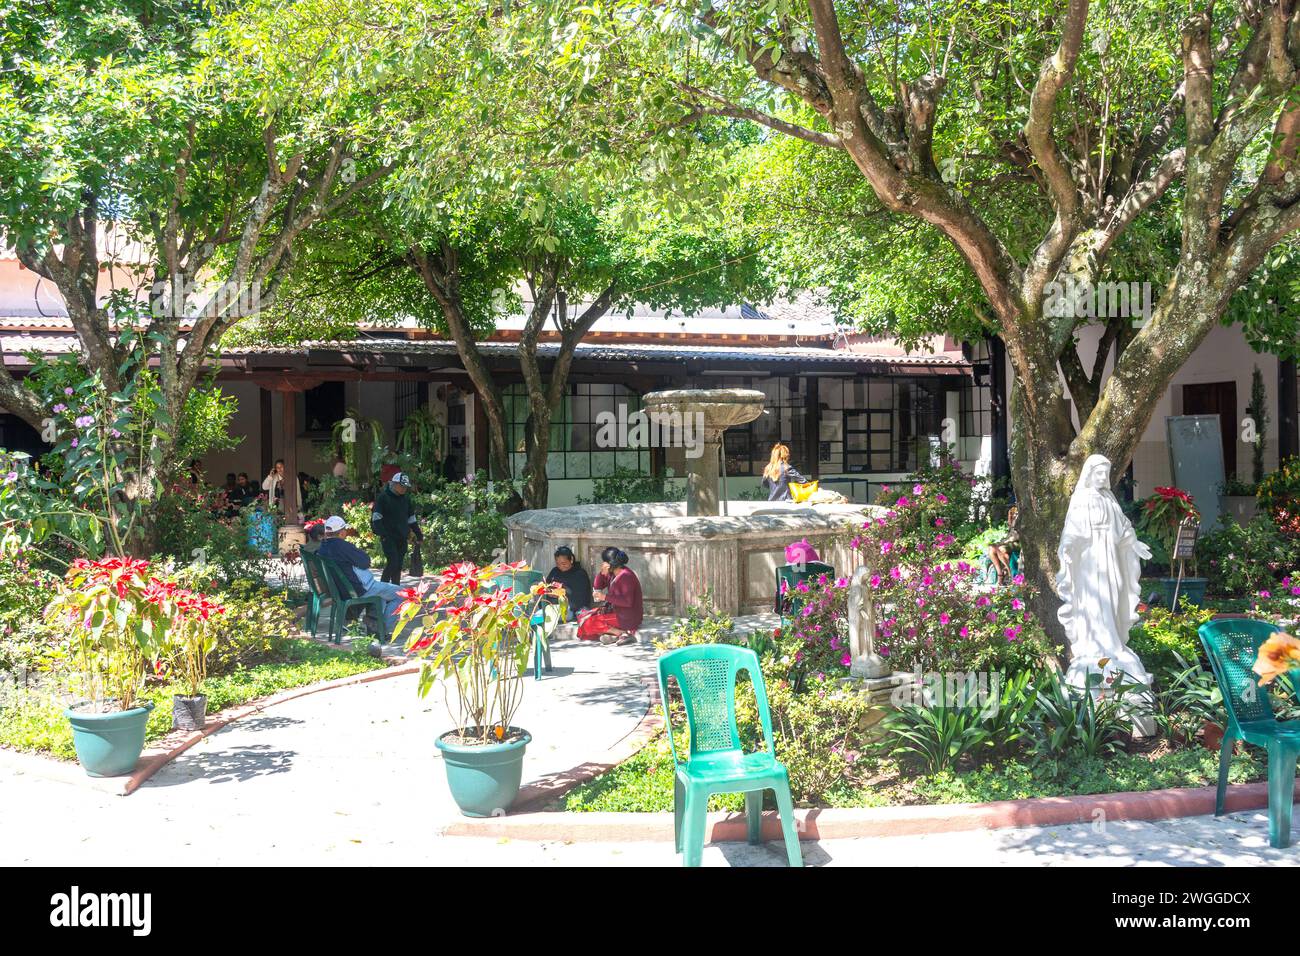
<point x="1100" y="562"/>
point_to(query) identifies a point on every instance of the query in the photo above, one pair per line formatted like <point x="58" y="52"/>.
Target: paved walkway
<point x="351" y="776"/>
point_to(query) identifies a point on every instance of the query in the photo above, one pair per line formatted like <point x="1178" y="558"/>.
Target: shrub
<point x="1072" y="722"/>
<point x="816" y="639"/>
<point x="26" y="644"/>
<point x="1279" y="496"/>
<point x="631" y="486"/>
<point x="1159" y="518"/>
<point x="194" y="526"/>
<point x="461" y="521"/>
<point x="256" y="628"/>
<point x="936" y="618"/>
<point x="1164" y="638"/>
<point x="1242" y="560"/>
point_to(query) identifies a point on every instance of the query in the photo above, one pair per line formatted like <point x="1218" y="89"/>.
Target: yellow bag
<point x="802" y="490"/>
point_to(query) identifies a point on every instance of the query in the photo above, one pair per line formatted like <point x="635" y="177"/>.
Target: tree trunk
<point x="536" y="482"/>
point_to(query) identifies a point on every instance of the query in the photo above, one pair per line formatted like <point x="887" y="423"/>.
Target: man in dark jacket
<point x="393" y="521"/>
<point x="328" y="536"/>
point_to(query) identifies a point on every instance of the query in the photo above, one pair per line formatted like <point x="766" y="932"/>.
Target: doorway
<point x="1217" y="398"/>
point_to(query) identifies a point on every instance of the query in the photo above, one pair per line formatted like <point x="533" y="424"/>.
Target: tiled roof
<point x="378" y="347"/>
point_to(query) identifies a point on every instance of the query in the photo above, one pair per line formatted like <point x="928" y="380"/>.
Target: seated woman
<point x="572" y="576"/>
<point x="999" y="553"/>
<point x="618" y="609"/>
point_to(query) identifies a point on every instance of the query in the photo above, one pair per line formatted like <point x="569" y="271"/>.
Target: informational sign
<point x="1185" y="543"/>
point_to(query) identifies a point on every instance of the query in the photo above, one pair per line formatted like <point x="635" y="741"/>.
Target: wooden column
<point x="267" y="451"/>
<point x="289" y="431"/>
<point x="1288" y="422"/>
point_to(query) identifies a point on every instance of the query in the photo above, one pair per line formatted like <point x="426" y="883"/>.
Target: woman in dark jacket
<point x="572" y="576"/>
<point x="779" y="473"/>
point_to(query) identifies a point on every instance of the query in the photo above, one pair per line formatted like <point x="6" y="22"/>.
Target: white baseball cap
<point x="401" y="478"/>
<point x="335" y="524"/>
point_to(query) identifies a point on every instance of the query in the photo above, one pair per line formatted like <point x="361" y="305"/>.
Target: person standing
<point x="393" y="520"/>
<point x="779" y="473"/>
<point x="273" y="485"/>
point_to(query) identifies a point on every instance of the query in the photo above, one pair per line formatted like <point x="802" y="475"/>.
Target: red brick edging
<point x="838" y="823"/>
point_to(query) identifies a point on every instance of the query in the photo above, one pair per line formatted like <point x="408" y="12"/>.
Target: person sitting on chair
<point x="572" y="576"/>
<point x="355" y="564"/>
<point x="617" y="609"/>
<point x="999" y="553"/>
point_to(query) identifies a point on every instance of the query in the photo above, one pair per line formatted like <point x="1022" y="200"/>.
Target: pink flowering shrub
<point x="815" y="639"/>
<point x="933" y="616"/>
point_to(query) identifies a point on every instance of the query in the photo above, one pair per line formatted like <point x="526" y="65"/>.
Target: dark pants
<point x="395" y="557"/>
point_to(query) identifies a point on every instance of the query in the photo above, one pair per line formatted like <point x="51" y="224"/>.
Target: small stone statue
<point x="1100" y="562"/>
<point x="862" y="629"/>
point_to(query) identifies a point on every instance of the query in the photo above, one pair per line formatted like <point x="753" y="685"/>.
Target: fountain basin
<point x="679" y="557"/>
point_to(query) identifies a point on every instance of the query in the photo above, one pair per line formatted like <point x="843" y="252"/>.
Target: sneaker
<point x="608" y="639"/>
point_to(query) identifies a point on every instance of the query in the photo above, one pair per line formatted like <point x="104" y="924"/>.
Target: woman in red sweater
<point x="619" y="591"/>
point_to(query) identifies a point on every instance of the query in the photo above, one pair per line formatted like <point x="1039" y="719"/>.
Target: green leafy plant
<point x="939" y="730"/>
<point x="1165" y="638"/>
<point x="630" y="486"/>
<point x="1160" y="516"/>
<point x="1242" y="560"/>
<point x="1068" y="720"/>
<point x="1188" y="698"/>
<point x="1279" y="496"/>
<point x="475" y="641"/>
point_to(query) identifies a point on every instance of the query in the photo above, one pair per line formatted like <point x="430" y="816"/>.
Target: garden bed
<point x="33" y="720"/>
<point x="644" y="783"/>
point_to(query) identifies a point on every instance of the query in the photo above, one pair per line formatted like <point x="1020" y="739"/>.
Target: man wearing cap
<point x="393" y="521"/>
<point x="355" y="563"/>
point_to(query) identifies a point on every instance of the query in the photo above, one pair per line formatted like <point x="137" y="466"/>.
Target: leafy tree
<point x="175" y="143"/>
<point x="1044" y="141"/>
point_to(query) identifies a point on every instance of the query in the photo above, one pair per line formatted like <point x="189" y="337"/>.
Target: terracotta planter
<point x="1212" y="736"/>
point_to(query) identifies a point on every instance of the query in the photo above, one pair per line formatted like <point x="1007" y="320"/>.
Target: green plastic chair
<point x="790" y="575"/>
<point x="344" y="596"/>
<point x="317" y="590"/>
<point x="541" y="624"/>
<point x="1232" y="646"/>
<point x="706" y="676"/>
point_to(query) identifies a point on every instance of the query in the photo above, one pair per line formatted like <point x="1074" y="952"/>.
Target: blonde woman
<point x="779" y="473"/>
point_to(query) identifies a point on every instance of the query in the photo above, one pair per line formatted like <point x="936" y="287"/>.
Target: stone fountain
<point x="683" y="551"/>
<point x="704" y="414"/>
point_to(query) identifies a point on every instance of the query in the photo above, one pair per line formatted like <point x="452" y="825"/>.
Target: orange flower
<point x="1277" y="655"/>
<point x="500" y="732"/>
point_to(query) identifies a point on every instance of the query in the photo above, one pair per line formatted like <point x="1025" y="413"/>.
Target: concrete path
<point x="351" y="776"/>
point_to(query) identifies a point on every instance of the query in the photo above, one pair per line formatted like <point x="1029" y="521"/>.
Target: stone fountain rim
<point x="588" y="521"/>
<point x="704" y="396"/>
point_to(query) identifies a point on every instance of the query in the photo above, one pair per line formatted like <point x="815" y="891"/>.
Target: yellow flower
<point x="1277" y="655"/>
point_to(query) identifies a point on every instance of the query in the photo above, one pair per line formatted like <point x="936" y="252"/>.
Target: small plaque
<point x="1185" y="543"/>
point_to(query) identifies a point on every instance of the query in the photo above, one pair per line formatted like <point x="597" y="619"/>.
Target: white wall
<point x="1224" y="356"/>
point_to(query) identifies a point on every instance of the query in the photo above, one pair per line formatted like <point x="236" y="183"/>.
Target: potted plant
<point x="472" y="632"/>
<point x="111" y="610"/>
<point x="1161" y="515"/>
<point x="192" y="640"/>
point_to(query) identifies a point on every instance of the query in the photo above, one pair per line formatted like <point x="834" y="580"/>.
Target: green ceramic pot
<point x="484" y="779"/>
<point x="108" y="745"/>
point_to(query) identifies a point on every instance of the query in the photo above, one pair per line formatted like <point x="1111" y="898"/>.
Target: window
<point x="576" y="431"/>
<point x="748" y="447"/>
<point x="878" y="424"/>
<point x="322" y="407"/>
<point x="406" y="399"/>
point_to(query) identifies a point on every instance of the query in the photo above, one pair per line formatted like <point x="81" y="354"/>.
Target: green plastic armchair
<point x="540" y="624"/>
<point x="344" y="597"/>
<point x="788" y="577"/>
<point x="1232" y="646"/>
<point x="706" y="676"/>
<point x="318" y="591"/>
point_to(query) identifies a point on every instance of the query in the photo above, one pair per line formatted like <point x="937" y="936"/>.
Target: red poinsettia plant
<point x="120" y="618"/>
<point x="472" y="626"/>
<point x="1162" y="513"/>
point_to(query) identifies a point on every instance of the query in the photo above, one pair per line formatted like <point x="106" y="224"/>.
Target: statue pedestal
<point x="883" y="693"/>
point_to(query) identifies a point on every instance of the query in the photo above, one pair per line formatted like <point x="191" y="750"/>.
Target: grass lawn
<point x="644" y="782"/>
<point x="34" y="721"/>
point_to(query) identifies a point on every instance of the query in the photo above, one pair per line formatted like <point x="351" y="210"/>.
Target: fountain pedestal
<point x="696" y="418"/>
